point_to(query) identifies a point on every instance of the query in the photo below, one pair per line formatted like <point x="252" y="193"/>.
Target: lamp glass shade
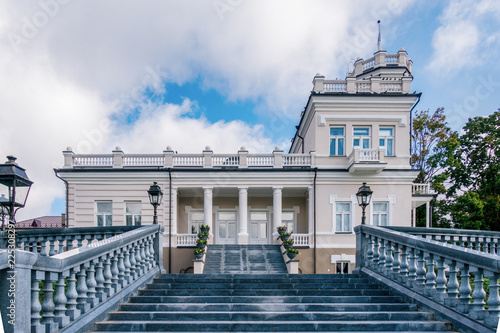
<point x="155" y="194"/>
<point x="364" y="195"/>
<point x="14" y="184"/>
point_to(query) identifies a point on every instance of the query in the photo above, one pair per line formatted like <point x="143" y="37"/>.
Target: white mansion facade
<point x="352" y="131"/>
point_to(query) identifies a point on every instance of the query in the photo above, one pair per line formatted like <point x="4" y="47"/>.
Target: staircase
<point x="247" y="259"/>
<point x="267" y="303"/>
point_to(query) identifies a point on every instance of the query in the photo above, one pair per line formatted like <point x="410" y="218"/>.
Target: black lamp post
<point x="364" y="196"/>
<point x="155" y="195"/>
<point x="14" y="188"/>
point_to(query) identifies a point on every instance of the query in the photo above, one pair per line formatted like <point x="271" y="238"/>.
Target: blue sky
<point x="94" y="75"/>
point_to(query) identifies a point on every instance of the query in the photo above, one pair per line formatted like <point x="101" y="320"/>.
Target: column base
<point x="243" y="238"/>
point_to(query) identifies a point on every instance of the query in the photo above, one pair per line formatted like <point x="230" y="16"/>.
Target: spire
<point x="379" y="37"/>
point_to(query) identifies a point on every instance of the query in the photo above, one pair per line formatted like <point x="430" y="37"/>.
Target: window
<point x="380" y="213"/>
<point x="342" y="267"/>
<point x="288" y="220"/>
<point x="343" y="217"/>
<point x="196" y="219"/>
<point x="337" y="139"/>
<point x="104" y="213"/>
<point x="133" y="213"/>
<point x="361" y="137"/>
<point x="386" y="140"/>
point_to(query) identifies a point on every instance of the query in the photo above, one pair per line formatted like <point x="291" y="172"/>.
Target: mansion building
<point x="352" y="131"/>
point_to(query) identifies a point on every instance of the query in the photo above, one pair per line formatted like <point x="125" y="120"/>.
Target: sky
<point x="144" y="75"/>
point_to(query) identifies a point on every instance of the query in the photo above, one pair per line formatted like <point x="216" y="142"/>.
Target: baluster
<point x="441" y="281"/>
<point x="493" y="300"/>
<point x="114" y="271"/>
<point x="52" y="244"/>
<point x="477" y="310"/>
<point x="396" y="264"/>
<point x="143" y="257"/>
<point x="420" y="279"/>
<point x="100" y="294"/>
<point x="121" y="269"/>
<point x="126" y="263"/>
<point x="138" y="260"/>
<point x="403" y="273"/>
<point x="108" y="276"/>
<point x="412" y="269"/>
<point x="91" y="285"/>
<point x="430" y="285"/>
<point x="60" y="301"/>
<point x="34" y="245"/>
<point x="133" y="263"/>
<point x="452" y="299"/>
<point x="149" y="253"/>
<point x="72" y="240"/>
<point x="376" y="254"/>
<point x="26" y="244"/>
<point x="60" y="241"/>
<point x="388" y="259"/>
<point x="369" y="252"/>
<point x="43" y="250"/>
<point x="48" y="302"/>
<point x="36" y="307"/>
<point x="478" y="244"/>
<point x="469" y="242"/>
<point x="461" y="241"/>
<point x="152" y="250"/>
<point x="82" y="290"/>
<point x="464" y="289"/>
<point x="79" y="239"/>
<point x="71" y="294"/>
<point x="381" y="261"/>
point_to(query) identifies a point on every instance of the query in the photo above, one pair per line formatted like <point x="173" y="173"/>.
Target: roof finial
<point x="379" y="37"/>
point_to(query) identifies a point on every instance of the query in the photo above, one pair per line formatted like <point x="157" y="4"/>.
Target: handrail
<point x="411" y="260"/>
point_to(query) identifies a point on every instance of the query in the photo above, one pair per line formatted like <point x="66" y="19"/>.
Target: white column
<point x="310" y="211"/>
<point x="207" y="209"/>
<point x="428" y="214"/>
<point x="174" y="211"/>
<point x="277" y="209"/>
<point x="243" y="215"/>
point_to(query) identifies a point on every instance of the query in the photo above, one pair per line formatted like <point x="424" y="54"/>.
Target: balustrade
<point x="428" y="266"/>
<point x="300" y="239"/>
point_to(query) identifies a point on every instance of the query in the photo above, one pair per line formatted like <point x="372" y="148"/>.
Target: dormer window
<point x="361" y="137"/>
<point x="337" y="141"/>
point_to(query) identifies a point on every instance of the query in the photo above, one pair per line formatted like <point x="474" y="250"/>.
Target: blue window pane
<point x="338" y="131"/>
<point x="390" y="147"/>
<point x="341" y="147"/>
<point x="381" y="142"/>
<point x="366" y="143"/>
<point x="386" y="131"/>
<point x="361" y="131"/>
<point x="332" y="147"/>
<point x="355" y="143"/>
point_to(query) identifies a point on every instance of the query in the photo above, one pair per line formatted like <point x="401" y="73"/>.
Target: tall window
<point x="361" y="137"/>
<point x="380" y="213"/>
<point x="196" y="219"/>
<point x="386" y="140"/>
<point x="288" y="220"/>
<point x="343" y="217"/>
<point x="133" y="213"/>
<point x="104" y="213"/>
<point x="337" y="140"/>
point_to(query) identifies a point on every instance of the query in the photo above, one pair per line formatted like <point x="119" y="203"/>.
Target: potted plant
<point x="291" y="253"/>
<point x="281" y="229"/>
<point x="198" y="253"/>
<point x="288" y="243"/>
<point x="284" y="236"/>
<point x="201" y="243"/>
<point x="204" y="228"/>
<point x="203" y="235"/>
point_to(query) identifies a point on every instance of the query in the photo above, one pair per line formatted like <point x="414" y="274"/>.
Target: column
<point x="277" y="209"/>
<point x="310" y="229"/>
<point x="207" y="209"/>
<point x="428" y="214"/>
<point x="173" y="207"/>
<point x="243" y="215"/>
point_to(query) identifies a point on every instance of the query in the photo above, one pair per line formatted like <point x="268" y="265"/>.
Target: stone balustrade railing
<point x="423" y="189"/>
<point x="300" y="239"/>
<point x="433" y="273"/>
<point x="170" y="159"/>
<point x="53" y="241"/>
<point x="366" y="155"/>
<point x="479" y="240"/>
<point x="80" y="285"/>
<point x="187" y="240"/>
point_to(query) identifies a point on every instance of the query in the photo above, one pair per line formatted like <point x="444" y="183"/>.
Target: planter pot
<point x="284" y="238"/>
<point x="201" y="246"/>
<point x="198" y="255"/>
<point x="281" y="231"/>
<point x="291" y="255"/>
<point x="204" y="230"/>
<point x="287" y="246"/>
<point x="203" y="238"/>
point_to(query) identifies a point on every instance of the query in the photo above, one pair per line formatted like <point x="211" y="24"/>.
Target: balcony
<point x="366" y="160"/>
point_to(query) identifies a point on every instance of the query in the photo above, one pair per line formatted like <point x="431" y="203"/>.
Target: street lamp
<point x="14" y="188"/>
<point x="364" y="196"/>
<point x="155" y="195"/>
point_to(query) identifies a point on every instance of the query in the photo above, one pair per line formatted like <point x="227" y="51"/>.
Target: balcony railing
<point x="421" y="189"/>
<point x="300" y="239"/>
<point x="186" y="239"/>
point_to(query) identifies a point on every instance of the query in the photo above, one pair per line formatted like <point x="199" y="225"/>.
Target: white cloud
<point x="66" y="65"/>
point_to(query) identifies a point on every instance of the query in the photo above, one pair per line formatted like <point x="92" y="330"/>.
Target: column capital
<point x="207" y="188"/>
<point x="242" y="187"/>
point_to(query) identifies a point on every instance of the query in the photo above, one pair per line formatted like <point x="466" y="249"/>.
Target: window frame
<point x="353" y="203"/>
<point x="385" y="146"/>
<point x="196" y="222"/>
<point x="336" y="138"/>
<point x="362" y="137"/>
<point x="346" y="263"/>
<point x="133" y="214"/>
<point x="103" y="214"/>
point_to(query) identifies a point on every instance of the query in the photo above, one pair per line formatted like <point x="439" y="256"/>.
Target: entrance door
<point x="259" y="223"/>
<point x="226" y="227"/>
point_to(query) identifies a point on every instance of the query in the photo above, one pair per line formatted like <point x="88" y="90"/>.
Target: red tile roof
<point x="40" y="222"/>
